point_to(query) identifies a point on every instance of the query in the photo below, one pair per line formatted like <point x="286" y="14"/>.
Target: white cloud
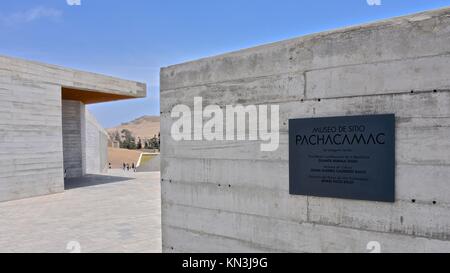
<point x="374" y="2"/>
<point x="73" y="2"/>
<point x="29" y="15"/>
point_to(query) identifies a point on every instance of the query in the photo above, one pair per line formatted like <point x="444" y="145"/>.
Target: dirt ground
<point x="118" y="156"/>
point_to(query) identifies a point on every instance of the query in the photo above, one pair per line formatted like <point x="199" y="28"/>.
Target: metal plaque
<point x="349" y="157"/>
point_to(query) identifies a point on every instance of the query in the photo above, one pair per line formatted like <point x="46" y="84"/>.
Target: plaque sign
<point x="350" y="157"/>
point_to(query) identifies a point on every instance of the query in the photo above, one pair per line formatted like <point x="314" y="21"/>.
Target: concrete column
<point x="96" y="150"/>
<point x="73" y="127"/>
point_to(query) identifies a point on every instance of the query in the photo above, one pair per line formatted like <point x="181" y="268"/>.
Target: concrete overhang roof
<point x="75" y="84"/>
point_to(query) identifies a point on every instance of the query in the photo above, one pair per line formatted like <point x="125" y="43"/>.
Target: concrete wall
<point x="31" y="159"/>
<point x="96" y="157"/>
<point x="32" y="124"/>
<point x="230" y="196"/>
<point x="85" y="142"/>
<point x="73" y="127"/>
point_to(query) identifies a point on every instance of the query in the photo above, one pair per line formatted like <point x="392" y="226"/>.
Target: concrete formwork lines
<point x="402" y="98"/>
<point x="306" y="237"/>
<point x="398" y="39"/>
<point x="210" y="242"/>
<point x="244" y="245"/>
<point x="419" y="217"/>
<point x="398" y="66"/>
<point x="305" y="72"/>
<point x="25" y="70"/>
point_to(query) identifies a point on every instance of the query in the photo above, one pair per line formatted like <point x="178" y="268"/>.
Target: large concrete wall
<point x="74" y="143"/>
<point x="230" y="196"/>
<point x="31" y="159"/>
<point x="31" y="122"/>
<point x="85" y="142"/>
<point x="96" y="156"/>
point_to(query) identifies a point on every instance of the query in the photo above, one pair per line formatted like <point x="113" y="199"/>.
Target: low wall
<point x="231" y="196"/>
<point x="149" y="162"/>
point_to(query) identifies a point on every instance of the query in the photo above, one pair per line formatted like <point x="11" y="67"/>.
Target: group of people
<point x="127" y="167"/>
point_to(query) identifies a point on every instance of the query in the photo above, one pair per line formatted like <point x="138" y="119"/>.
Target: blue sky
<point x="133" y="39"/>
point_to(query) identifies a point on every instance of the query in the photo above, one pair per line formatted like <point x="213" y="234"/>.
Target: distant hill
<point x="145" y="127"/>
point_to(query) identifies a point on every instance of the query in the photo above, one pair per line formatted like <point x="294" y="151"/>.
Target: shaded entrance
<point x="84" y="140"/>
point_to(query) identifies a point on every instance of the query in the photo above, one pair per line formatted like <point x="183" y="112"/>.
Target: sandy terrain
<point x="118" y="156"/>
<point x="145" y="127"/>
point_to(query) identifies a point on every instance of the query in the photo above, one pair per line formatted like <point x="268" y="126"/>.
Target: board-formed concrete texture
<point x="74" y="129"/>
<point x="96" y="146"/>
<point x="43" y="126"/>
<point x="230" y="196"/>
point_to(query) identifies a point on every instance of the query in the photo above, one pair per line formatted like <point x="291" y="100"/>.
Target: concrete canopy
<point x="90" y="97"/>
<point x="91" y="87"/>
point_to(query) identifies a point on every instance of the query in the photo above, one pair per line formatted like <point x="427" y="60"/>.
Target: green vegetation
<point x="126" y="140"/>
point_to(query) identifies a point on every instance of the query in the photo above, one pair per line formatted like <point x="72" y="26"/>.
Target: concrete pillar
<point x="96" y="155"/>
<point x="73" y="126"/>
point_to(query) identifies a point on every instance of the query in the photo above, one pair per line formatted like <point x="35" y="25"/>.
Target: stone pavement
<point x="117" y="212"/>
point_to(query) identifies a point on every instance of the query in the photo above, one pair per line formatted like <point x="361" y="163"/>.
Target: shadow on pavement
<point x="92" y="180"/>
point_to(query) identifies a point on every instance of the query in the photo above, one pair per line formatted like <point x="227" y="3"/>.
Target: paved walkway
<point x="118" y="212"/>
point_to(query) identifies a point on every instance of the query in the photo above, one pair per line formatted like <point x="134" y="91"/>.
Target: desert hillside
<point x="145" y="127"/>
